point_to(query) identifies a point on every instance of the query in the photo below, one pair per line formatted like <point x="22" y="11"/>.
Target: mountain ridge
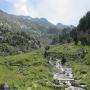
<point x="34" y="26"/>
<point x="30" y="18"/>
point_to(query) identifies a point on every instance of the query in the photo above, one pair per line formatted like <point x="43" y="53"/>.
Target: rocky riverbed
<point x="64" y="75"/>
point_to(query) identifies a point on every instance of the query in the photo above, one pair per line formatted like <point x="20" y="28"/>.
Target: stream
<point x="64" y="75"/>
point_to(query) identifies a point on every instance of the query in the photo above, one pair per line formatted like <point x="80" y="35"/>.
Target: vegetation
<point x="16" y="42"/>
<point x="25" y="70"/>
<point x="62" y="36"/>
<point x="82" y="31"/>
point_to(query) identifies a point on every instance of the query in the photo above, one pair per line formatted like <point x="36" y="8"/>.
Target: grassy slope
<point x="25" y="70"/>
<point x="81" y="67"/>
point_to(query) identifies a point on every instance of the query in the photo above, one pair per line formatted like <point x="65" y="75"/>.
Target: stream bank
<point x="64" y="76"/>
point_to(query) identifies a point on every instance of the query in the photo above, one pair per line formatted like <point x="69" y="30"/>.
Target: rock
<point x="29" y="88"/>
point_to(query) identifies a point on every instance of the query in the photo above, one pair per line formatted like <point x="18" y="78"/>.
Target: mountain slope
<point x="36" y="27"/>
<point x="83" y="29"/>
<point x="24" y="33"/>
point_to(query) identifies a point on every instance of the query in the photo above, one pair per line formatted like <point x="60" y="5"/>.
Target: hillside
<point x="28" y="71"/>
<point x="82" y="31"/>
<point x="16" y="42"/>
<point x="25" y="70"/>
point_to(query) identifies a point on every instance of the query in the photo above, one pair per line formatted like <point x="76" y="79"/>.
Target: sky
<point x="67" y="12"/>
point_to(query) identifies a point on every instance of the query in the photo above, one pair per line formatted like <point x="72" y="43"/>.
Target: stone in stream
<point x="1" y="86"/>
<point x="6" y="87"/>
<point x="68" y="72"/>
<point x="29" y="88"/>
<point x="74" y="88"/>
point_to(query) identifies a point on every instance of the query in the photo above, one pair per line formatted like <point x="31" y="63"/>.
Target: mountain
<point x="33" y="32"/>
<point x="13" y="39"/>
<point x="82" y="31"/>
<point x="61" y="26"/>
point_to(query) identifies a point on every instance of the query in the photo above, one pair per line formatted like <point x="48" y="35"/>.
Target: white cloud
<point x="64" y="11"/>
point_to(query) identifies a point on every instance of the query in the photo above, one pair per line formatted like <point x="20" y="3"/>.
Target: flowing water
<point x="64" y="75"/>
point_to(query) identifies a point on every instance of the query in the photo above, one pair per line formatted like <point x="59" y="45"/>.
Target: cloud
<point x="64" y="11"/>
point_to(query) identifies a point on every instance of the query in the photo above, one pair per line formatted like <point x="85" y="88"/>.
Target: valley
<point x="38" y="55"/>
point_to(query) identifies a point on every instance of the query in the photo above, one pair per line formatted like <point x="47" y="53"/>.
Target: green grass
<point x="80" y="66"/>
<point x="28" y="70"/>
<point x="81" y="72"/>
<point x="65" y="48"/>
<point x="25" y="71"/>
